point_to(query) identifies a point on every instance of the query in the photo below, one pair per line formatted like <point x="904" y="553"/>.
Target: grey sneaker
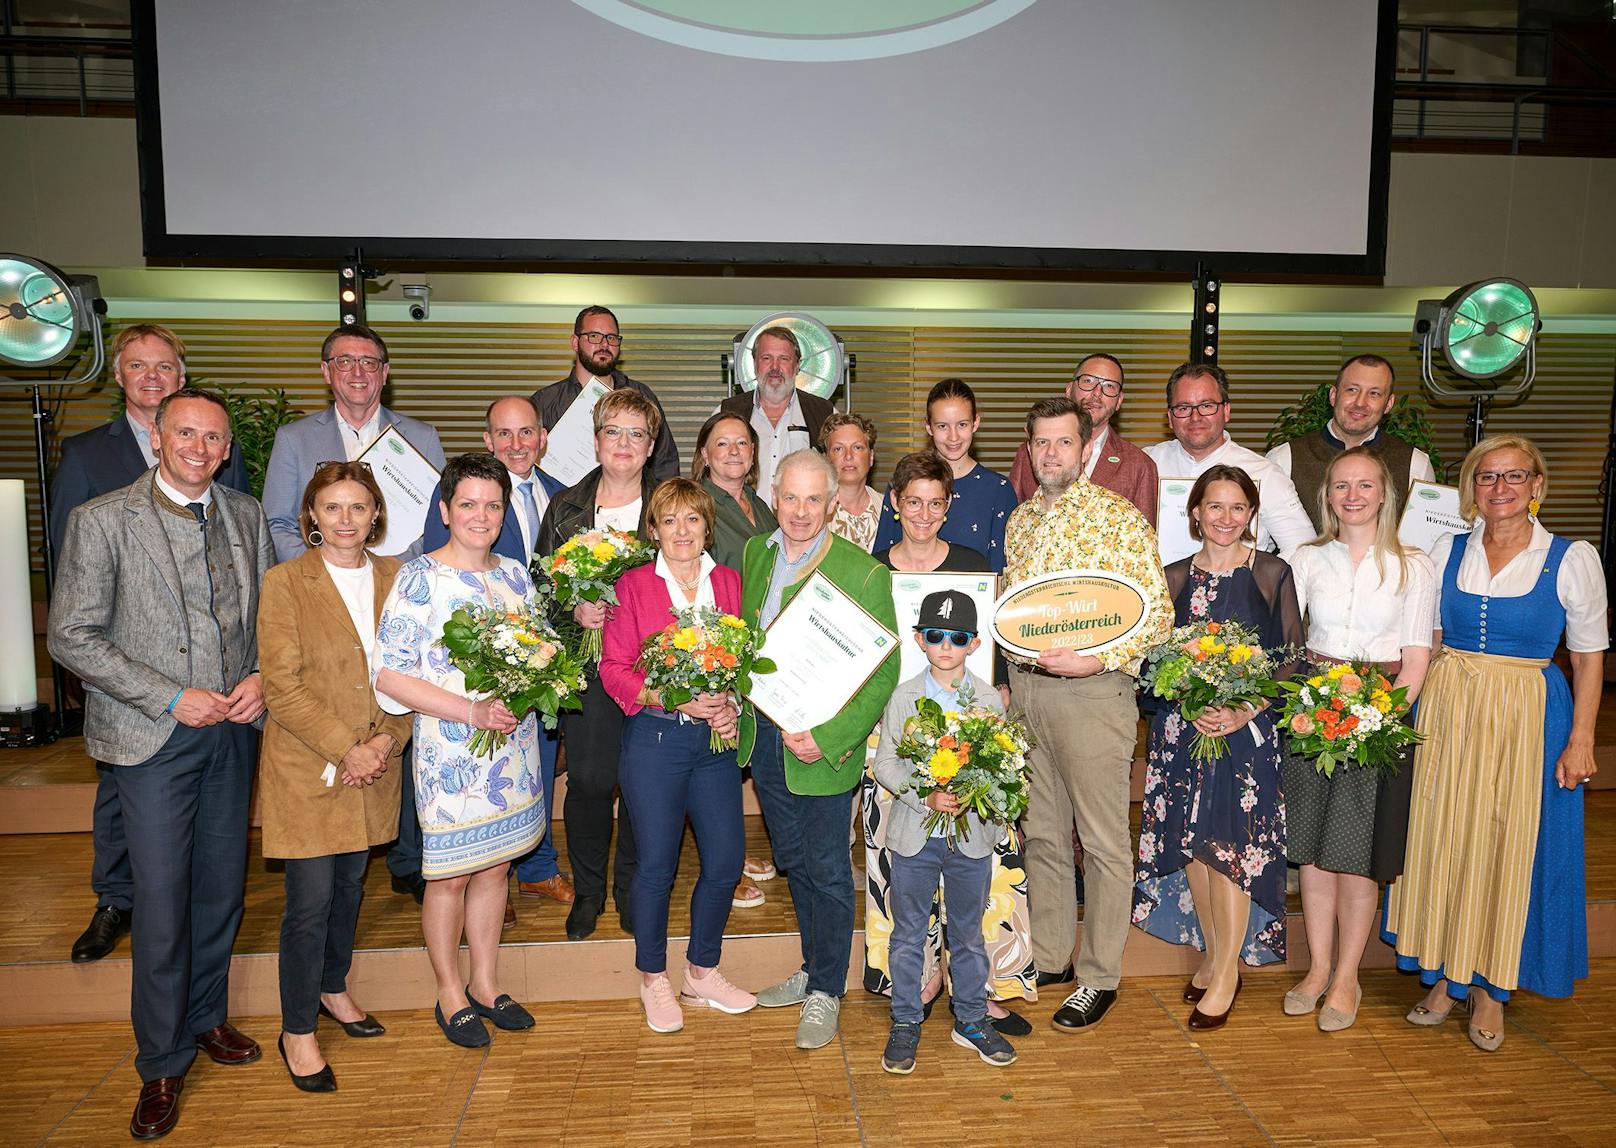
<point x="817" y="1028"/>
<point x="791" y="991"/>
<point x="899" y="1055"/>
<point x="985" y="1040"/>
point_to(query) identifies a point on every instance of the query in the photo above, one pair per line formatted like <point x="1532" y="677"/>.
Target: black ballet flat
<point x="464" y="1028"/>
<point x="323" y="1081"/>
<point x="504" y="1012"/>
<point x="365" y="1026"/>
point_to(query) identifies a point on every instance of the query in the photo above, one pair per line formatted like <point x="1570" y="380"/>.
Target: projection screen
<point x="1061" y="134"/>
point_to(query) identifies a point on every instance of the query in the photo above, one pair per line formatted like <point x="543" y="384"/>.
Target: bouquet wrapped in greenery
<point x="1348" y="714"/>
<point x="517" y="658"/>
<point x="1208" y="665"/>
<point x="703" y="651"/>
<point x="979" y="755"/>
<point x="585" y="568"/>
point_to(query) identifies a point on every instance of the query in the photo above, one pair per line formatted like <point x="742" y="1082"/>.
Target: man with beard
<point x="597" y="347"/>
<point x="1080" y="709"/>
<point x="1113" y="461"/>
<point x="785" y="418"/>
<point x="1360" y="399"/>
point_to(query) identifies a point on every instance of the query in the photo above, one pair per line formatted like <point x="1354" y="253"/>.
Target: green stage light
<point x="1487" y="327"/>
<point x="39" y="317"/>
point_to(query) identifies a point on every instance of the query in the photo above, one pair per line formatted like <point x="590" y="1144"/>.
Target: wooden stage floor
<point x="592" y="1074"/>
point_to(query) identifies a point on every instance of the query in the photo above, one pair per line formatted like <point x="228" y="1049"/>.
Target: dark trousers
<point x="404" y="858"/>
<point x="317" y="932"/>
<point x="594" y="747"/>
<point x="186" y="807"/>
<point x="668" y="772"/>
<point x="809" y="836"/>
<point x="911" y="893"/>
<point x="541" y="864"/>
<point x="110" y="875"/>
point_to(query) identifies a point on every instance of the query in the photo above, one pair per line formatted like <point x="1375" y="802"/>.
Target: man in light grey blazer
<point x="353" y="360"/>
<point x="155" y="608"/>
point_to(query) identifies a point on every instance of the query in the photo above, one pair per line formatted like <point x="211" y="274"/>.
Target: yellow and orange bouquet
<point x="1348" y="713"/>
<point x="979" y="755"/>
<point x="703" y="651"/>
<point x="517" y="658"/>
<point x="585" y="568"/>
<point x="1206" y="665"/>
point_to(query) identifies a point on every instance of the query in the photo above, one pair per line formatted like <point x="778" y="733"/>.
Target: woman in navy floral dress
<point x="1212" y="834"/>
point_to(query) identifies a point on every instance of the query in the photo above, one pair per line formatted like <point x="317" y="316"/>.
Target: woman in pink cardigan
<point x="668" y="769"/>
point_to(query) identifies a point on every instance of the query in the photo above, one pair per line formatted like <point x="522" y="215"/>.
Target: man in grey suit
<point x="148" y="362"/>
<point x="353" y="360"/>
<point x="155" y="608"/>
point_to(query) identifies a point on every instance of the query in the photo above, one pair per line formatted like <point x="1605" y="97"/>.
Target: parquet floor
<point x="592" y="1074"/>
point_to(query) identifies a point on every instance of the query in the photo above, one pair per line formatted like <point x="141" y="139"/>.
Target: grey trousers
<point x="1086" y="730"/>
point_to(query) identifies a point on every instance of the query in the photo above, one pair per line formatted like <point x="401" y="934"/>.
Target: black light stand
<point x="1205" y="317"/>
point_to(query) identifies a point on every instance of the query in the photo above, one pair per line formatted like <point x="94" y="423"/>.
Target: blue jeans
<point x="965" y="898"/>
<point x="541" y="865"/>
<point x="668" y="771"/>
<point x="809" y="836"/>
<point x="404" y="858"/>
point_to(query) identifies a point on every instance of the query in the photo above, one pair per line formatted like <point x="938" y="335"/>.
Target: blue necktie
<point x="530" y="512"/>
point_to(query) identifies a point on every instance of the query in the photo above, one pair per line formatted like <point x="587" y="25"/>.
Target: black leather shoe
<point x="413" y="885"/>
<point x="1064" y="977"/>
<point x="106" y="927"/>
<point x="1013" y="1024"/>
<point x="322" y="1081"/>
<point x="1084" y="1009"/>
<point x="582" y="916"/>
<point x="504" y="1012"/>
<point x="464" y="1028"/>
<point x="367" y="1025"/>
<point x="1203" y="1022"/>
<point x="1193" y="992"/>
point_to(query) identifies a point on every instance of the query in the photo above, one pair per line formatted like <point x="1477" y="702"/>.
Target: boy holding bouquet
<point x="947" y="633"/>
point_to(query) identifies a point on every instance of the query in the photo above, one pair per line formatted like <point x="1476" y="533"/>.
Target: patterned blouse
<point x="859" y="529"/>
<point x="1091" y="528"/>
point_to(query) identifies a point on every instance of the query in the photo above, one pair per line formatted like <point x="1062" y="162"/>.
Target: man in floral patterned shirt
<point x="1080" y="707"/>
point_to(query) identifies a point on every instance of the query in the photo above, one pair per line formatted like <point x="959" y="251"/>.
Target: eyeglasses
<point x="596" y="338"/>
<point x="370" y="364"/>
<point x="331" y="462"/>
<point x="1513" y="477"/>
<point x="1110" y="388"/>
<point x="914" y="505"/>
<point x="635" y="435"/>
<point x="960" y="638"/>
<point x="1205" y="408"/>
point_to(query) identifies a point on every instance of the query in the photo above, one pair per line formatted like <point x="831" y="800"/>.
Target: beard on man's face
<point x="590" y="359"/>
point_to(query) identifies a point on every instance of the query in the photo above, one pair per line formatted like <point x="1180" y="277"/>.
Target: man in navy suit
<point x="148" y="361"/>
<point x="516" y="436"/>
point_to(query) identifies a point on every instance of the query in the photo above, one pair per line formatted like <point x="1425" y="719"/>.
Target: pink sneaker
<point x="714" y="991"/>
<point x="661" y="1010"/>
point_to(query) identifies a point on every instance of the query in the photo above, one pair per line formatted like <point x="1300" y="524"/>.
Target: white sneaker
<point x="821" y="1013"/>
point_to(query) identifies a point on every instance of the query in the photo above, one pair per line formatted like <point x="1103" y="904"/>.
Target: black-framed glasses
<point x="959" y="638"/>
<point x="1514" y="477"/>
<point x="1088" y="384"/>
<point x="370" y="364"/>
<point x="1206" y="408"/>
<point x="596" y="338"/>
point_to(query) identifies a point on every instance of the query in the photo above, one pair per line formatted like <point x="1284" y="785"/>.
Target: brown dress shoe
<point x="557" y="888"/>
<point x="227" y="1044"/>
<point x="158" y="1109"/>
<point x="510" y="916"/>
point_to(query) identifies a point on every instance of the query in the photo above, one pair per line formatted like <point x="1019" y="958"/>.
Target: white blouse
<point x="358" y="590"/>
<point x="625" y="518"/>
<point x="1357" y="613"/>
<point x="704" y="583"/>
<point x="1580" y="585"/>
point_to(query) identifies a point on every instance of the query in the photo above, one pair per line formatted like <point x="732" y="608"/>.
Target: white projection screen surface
<point x="1063" y="134"/>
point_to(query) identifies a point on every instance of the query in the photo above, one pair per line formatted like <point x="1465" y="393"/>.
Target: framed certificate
<point x="571" y="451"/>
<point x="908" y="590"/>
<point x="1432" y="511"/>
<point x="406" y="479"/>
<point x="827" y="647"/>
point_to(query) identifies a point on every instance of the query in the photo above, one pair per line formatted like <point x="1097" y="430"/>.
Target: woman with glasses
<point x="848" y="441"/>
<point x="1211" y="868"/>
<point x="615" y="495"/>
<point x="982" y="499"/>
<point x="478" y="814"/>
<point x="328" y="776"/>
<point x="1491" y="899"/>
<point x="920" y="492"/>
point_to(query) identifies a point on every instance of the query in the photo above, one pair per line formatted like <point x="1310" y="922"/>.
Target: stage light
<point x="43" y="312"/>
<point x="826" y="367"/>
<point x="351" y="293"/>
<point x="1204" y="319"/>
<point x="1483" y="331"/>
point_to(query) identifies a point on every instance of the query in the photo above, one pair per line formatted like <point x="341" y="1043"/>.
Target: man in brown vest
<point x="1360" y="399"/>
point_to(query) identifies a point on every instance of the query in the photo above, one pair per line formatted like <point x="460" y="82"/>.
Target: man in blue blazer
<point x="354" y="363"/>
<point x="516" y="436"/>
<point x="148" y="362"/>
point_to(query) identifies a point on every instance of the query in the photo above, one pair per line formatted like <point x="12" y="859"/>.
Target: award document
<point x="1173" y="519"/>
<point x="826" y="647"/>
<point x="406" y="479"/>
<point x="1084" y="610"/>
<point x="571" y="452"/>
<point x="907" y="592"/>
<point x="1432" y="511"/>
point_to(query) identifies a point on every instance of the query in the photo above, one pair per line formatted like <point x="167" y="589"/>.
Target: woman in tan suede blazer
<point x="329" y="775"/>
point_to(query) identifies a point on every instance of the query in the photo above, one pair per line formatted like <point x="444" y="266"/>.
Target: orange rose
<point x="1350" y="724"/>
<point x="1302" y="724"/>
<point x="1214" y="627"/>
<point x="1330" y="733"/>
<point x="1351" y="683"/>
<point x="1338" y="704"/>
<point x="947" y="741"/>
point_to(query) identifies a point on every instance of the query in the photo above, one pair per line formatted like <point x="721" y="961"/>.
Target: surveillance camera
<point x="420" y="299"/>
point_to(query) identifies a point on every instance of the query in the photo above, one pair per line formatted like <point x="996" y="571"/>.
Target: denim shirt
<point x="785" y="572"/>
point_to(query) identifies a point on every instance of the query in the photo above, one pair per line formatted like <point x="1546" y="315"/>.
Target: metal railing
<point x="67" y="75"/>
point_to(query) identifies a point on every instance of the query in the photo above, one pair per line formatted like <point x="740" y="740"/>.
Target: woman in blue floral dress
<point x="1211" y="869"/>
<point x="477" y="814"/>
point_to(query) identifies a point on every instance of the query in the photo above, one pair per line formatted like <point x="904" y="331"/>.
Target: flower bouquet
<point x="517" y="658"/>
<point x="1348" y="714"/>
<point x="703" y="651"/>
<point x="1208" y="665"/>
<point x="979" y="755"/>
<point x="585" y="568"/>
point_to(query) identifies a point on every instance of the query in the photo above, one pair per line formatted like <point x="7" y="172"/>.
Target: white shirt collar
<point x="356" y="439"/>
<point x="704" y="581"/>
<point x="792" y="416"/>
<point x="1096" y="449"/>
<point x="174" y="496"/>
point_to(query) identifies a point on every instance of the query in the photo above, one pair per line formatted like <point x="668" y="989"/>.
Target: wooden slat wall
<point x="447" y="372"/>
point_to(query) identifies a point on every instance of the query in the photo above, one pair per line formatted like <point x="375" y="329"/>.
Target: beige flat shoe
<point x="1300" y="1004"/>
<point x="1334" y="1020"/>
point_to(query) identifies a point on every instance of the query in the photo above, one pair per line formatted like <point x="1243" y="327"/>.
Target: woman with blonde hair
<point x="1492" y="896"/>
<point x="1367" y="598"/>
